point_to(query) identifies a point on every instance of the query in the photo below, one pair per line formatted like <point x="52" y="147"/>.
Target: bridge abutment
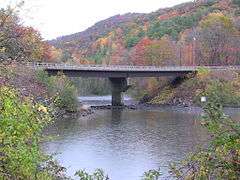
<point x="118" y="86"/>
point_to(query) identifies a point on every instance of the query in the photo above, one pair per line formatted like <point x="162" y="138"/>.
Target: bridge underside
<point x="118" y="74"/>
<point x="118" y="79"/>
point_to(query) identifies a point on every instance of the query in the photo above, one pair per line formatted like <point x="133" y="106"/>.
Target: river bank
<point x="187" y="91"/>
<point x="32" y="85"/>
<point x="149" y="107"/>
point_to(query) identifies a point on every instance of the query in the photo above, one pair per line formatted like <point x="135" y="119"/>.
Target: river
<point x="126" y="143"/>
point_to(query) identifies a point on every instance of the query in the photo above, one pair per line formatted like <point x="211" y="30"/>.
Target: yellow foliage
<point x="214" y="18"/>
<point x="152" y="83"/>
<point x="202" y="73"/>
<point x="103" y="41"/>
<point x="42" y="108"/>
<point x="114" y="46"/>
<point x="2" y="50"/>
<point x="111" y="34"/>
<point x="165" y="95"/>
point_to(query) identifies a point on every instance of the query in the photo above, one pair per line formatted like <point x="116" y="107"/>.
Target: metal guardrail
<point x="63" y="66"/>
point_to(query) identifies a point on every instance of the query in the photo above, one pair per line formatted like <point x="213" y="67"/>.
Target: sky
<point x="55" y="18"/>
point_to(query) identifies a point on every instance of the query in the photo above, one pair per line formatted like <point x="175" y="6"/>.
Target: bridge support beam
<point x="118" y="86"/>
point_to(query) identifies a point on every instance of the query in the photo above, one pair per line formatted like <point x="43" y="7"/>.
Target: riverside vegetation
<point x="22" y="121"/>
<point x="62" y="89"/>
<point x="225" y="83"/>
<point x="221" y="159"/>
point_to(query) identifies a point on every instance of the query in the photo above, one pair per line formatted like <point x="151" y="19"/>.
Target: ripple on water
<point x="126" y="143"/>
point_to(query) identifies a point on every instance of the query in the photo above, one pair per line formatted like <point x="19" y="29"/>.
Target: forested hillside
<point x="204" y="32"/>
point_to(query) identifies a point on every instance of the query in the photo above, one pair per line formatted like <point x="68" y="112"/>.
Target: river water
<point x="126" y="143"/>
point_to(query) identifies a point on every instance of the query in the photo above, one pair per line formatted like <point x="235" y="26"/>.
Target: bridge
<point x="118" y="74"/>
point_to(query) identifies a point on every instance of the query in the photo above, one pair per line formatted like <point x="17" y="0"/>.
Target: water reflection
<point x="116" y="116"/>
<point x="125" y="143"/>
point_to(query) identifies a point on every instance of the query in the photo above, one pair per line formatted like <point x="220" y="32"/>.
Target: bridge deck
<point x="129" y="68"/>
<point x="121" y="71"/>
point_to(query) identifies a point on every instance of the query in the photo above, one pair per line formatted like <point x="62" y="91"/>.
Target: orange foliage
<point x="50" y="53"/>
<point x="118" y="55"/>
<point x="137" y="53"/>
<point x="169" y="15"/>
<point x="32" y="41"/>
<point x="223" y="4"/>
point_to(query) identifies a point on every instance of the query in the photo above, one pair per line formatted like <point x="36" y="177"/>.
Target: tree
<point x="137" y="52"/>
<point x="175" y="25"/>
<point x="9" y="45"/>
<point x="31" y="42"/>
<point x="66" y="56"/>
<point x="217" y="35"/>
<point x="160" y="52"/>
<point x="16" y="41"/>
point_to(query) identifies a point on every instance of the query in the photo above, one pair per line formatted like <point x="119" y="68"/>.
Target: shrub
<point x="67" y="93"/>
<point x="43" y="77"/>
<point x="98" y="174"/>
<point x="152" y="175"/>
<point x="62" y="89"/>
<point x="21" y="124"/>
<point x="223" y="91"/>
<point x="202" y="72"/>
<point x="221" y="159"/>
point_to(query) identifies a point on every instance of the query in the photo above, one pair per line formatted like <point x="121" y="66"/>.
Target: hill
<point x="85" y="38"/>
<point x="168" y="36"/>
<point x="204" y="32"/>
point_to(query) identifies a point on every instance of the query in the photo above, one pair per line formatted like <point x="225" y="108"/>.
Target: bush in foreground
<point x="99" y="174"/>
<point x="21" y="123"/>
<point x="221" y="159"/>
<point x="21" y="126"/>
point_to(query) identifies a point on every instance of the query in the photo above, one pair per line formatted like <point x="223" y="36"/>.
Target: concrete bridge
<point x="118" y="74"/>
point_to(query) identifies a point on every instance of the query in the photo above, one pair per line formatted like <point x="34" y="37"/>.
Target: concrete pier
<point x="118" y="86"/>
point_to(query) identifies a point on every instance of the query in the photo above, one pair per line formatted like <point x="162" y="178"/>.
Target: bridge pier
<point x="118" y="86"/>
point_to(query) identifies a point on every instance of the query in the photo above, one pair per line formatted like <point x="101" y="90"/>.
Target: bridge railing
<point x="104" y="67"/>
<point x="37" y="65"/>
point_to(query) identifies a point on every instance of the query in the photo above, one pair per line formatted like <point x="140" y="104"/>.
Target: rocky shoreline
<point x="146" y="106"/>
<point x="142" y="106"/>
<point x="87" y="110"/>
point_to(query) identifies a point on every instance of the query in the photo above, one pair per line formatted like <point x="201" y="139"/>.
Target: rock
<point x="65" y="116"/>
<point x="84" y="108"/>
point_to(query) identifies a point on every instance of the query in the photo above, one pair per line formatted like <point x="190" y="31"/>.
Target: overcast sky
<point x="55" y="18"/>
